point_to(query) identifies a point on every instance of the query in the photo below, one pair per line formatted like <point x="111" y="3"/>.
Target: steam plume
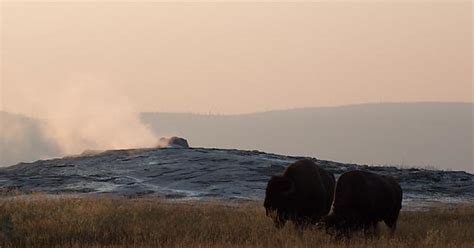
<point x="93" y="114"/>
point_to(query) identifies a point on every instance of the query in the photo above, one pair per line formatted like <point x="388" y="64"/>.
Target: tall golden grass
<point x="38" y="221"/>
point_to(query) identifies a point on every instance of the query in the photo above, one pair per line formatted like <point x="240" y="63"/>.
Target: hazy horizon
<point x="210" y="113"/>
<point x="435" y="135"/>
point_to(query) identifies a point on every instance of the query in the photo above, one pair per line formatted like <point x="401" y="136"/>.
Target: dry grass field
<point x="39" y="221"/>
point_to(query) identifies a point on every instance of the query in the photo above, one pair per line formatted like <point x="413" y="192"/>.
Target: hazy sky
<point x="232" y="57"/>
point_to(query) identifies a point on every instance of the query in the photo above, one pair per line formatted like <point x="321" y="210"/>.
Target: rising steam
<point x="93" y="114"/>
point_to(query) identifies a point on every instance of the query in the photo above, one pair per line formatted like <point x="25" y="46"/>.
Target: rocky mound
<point x="207" y="173"/>
<point x="173" y="142"/>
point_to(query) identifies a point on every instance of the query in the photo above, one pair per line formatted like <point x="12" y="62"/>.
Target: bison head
<point x="278" y="199"/>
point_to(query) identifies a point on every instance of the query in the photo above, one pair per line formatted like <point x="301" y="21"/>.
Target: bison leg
<point x="370" y="229"/>
<point x="342" y="232"/>
<point x="300" y="224"/>
<point x="391" y="222"/>
<point x="346" y="229"/>
<point x="375" y="229"/>
<point x="392" y="225"/>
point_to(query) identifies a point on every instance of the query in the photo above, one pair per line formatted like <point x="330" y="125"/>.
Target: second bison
<point x="362" y="199"/>
<point x="303" y="194"/>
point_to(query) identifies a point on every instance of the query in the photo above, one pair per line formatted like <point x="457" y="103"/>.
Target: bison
<point x="303" y="194"/>
<point x="362" y="199"/>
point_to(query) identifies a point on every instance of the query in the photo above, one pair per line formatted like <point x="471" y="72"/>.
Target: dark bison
<point x="303" y="194"/>
<point x="363" y="199"/>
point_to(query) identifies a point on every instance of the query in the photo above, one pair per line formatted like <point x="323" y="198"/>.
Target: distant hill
<point x="435" y="135"/>
<point x="22" y="139"/>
